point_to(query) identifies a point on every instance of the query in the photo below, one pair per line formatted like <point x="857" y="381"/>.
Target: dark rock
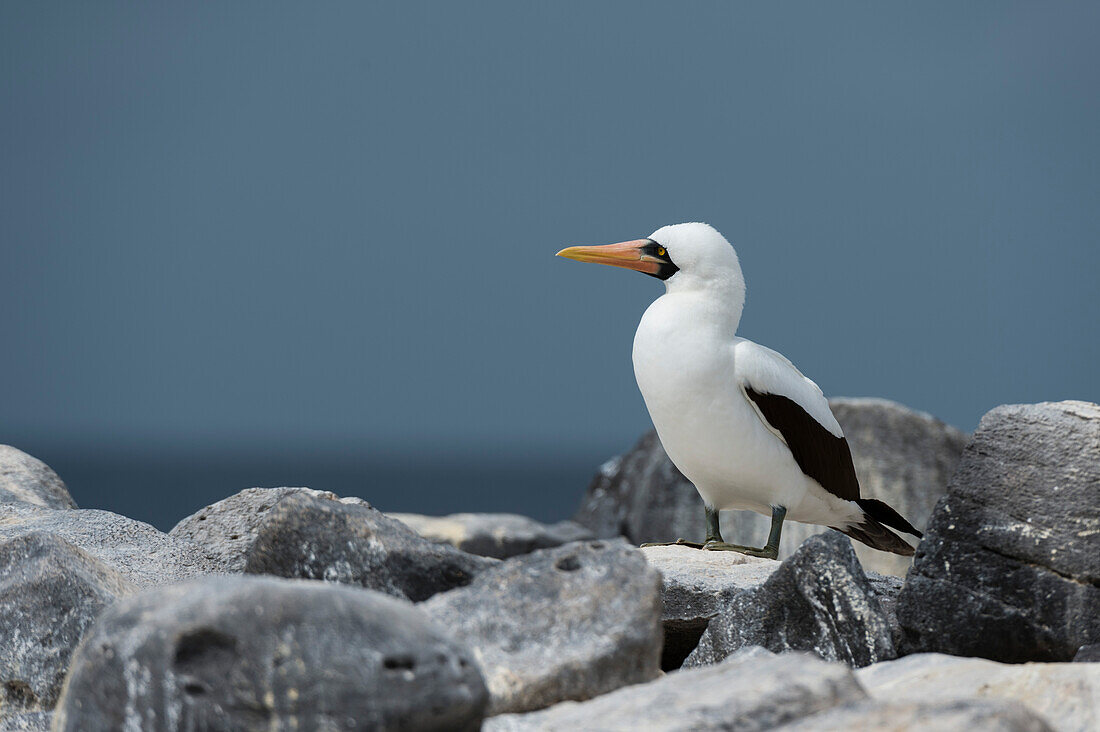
<point x="26" y="722"/>
<point x="499" y="535"/>
<point x="1010" y="566"/>
<point x="260" y="653"/>
<point x="818" y="600"/>
<point x="565" y="623"/>
<point x="1066" y="695"/>
<point x="139" y="552"/>
<point x="50" y="593"/>
<point x="901" y="456"/>
<point x="27" y="479"/>
<point x="1088" y="654"/>
<point x="313" y="538"/>
<point x="963" y="714"/>
<point x="227" y="529"/>
<point x="751" y="690"/>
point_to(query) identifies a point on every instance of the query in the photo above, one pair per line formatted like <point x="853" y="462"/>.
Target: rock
<point x="50" y="593"/>
<point x="1010" y="566"/>
<point x="970" y="714"/>
<point x="901" y="456"/>
<point x="499" y="535"/>
<point x="228" y="528"/>
<point x="570" y="622"/>
<point x="818" y="600"/>
<point x="26" y="479"/>
<point x="1067" y="695"/>
<point x="749" y="691"/>
<point x="1088" y="654"/>
<point x="305" y="537"/>
<point x="261" y="653"/>
<point x="139" y="552"/>
<point x="26" y="722"/>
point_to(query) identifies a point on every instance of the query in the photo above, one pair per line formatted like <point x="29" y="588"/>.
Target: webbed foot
<point x="678" y="542"/>
<point x="768" y="552"/>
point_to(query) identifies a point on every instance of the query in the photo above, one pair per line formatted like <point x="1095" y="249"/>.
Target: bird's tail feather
<point x="875" y="535"/>
<point x="882" y="513"/>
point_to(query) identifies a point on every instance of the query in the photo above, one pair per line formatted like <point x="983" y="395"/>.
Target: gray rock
<point x="748" y="691"/>
<point x="565" y="623"/>
<point x="1067" y="695"/>
<point x="50" y="593"/>
<point x="260" y="653"/>
<point x="818" y="600"/>
<point x="228" y="528"/>
<point x="27" y="479"/>
<point x="973" y="715"/>
<point x="499" y="535"/>
<point x="1088" y="654"/>
<point x="140" y="553"/>
<point x="901" y="456"/>
<point x="1010" y="566"/>
<point x="305" y="537"/>
<point x="26" y="722"/>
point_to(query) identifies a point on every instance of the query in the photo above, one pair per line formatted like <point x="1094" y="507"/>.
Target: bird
<point x="738" y="419"/>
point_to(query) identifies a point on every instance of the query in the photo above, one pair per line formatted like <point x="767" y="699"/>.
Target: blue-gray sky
<point x="334" y="224"/>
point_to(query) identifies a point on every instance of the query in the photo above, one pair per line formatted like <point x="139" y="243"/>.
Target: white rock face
<point x="1067" y="695"/>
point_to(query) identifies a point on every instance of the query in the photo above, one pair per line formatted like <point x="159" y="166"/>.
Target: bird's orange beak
<point x="627" y="254"/>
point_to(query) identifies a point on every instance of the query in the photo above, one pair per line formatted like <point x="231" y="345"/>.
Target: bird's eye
<point x="660" y="251"/>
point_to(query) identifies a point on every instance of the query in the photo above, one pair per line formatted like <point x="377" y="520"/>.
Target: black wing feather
<point x="819" y="453"/>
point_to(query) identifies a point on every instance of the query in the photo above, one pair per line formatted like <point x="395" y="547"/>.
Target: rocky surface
<point x="752" y="690"/>
<point x="571" y="622"/>
<point x="140" y="553"/>
<point x="26" y="722"/>
<point x="27" y="479"/>
<point x="499" y="535"/>
<point x="50" y="593"/>
<point x="252" y="653"/>
<point x="1067" y="695"/>
<point x="228" y="528"/>
<point x="1010" y="565"/>
<point x="305" y="537"/>
<point x="901" y="456"/>
<point x="818" y="600"/>
<point x="970" y="714"/>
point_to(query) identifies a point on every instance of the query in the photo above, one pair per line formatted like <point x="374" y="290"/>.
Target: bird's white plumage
<point x="692" y="371"/>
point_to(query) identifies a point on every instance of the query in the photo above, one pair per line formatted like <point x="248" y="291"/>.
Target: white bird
<point x="737" y="419"/>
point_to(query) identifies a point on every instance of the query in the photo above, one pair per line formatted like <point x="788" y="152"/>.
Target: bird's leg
<point x="768" y="551"/>
<point x="713" y="534"/>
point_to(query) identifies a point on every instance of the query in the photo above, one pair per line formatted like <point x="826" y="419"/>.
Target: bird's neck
<point x="713" y="304"/>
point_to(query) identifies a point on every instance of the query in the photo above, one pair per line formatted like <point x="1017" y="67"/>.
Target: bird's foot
<point x="678" y="542"/>
<point x="768" y="552"/>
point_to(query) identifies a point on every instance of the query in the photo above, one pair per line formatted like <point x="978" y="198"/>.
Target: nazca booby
<point x="737" y="419"/>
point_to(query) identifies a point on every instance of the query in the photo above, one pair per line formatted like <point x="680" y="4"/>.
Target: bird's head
<point x="685" y="256"/>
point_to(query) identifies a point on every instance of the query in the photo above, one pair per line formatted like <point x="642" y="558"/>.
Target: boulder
<point x="305" y="537"/>
<point x="50" y="593"/>
<point x="1088" y="654"/>
<point x="228" y="528"/>
<point x="570" y="622"/>
<point x="26" y="722"/>
<point x="27" y="479"/>
<point x="140" y="553"/>
<point x="915" y="716"/>
<point x="1067" y="695"/>
<point x="818" y="600"/>
<point x="499" y="535"/>
<point x="751" y="690"/>
<point x="1009" y="568"/>
<point x="262" y="653"/>
<point x="901" y="456"/>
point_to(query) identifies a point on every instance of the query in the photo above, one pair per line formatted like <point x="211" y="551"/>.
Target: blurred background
<point x="312" y="244"/>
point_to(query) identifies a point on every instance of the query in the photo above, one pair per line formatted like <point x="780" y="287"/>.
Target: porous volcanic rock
<point x="228" y="528"/>
<point x="969" y="714"/>
<point x="50" y="593"/>
<point x="26" y="722"/>
<point x="751" y="690"/>
<point x="499" y="535"/>
<point x="1010" y="565"/>
<point x="305" y="537"/>
<point x="901" y="456"/>
<point x="818" y="600"/>
<point x="27" y="479"/>
<point x="570" y="622"/>
<point x="262" y="653"/>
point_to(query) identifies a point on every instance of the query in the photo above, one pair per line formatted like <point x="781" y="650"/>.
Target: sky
<point x="328" y="228"/>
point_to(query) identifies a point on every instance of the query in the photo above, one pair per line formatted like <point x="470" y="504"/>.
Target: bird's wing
<point x="794" y="408"/>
